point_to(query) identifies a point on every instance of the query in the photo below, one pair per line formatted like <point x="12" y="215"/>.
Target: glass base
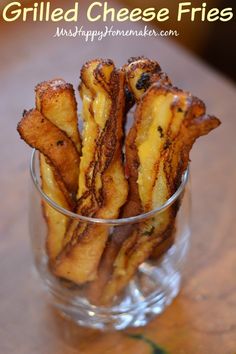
<point x="138" y="316"/>
<point x="148" y="294"/>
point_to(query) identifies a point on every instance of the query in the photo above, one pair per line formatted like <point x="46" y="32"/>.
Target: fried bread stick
<point x="55" y="99"/>
<point x="167" y="122"/>
<point x="140" y="73"/>
<point x="102" y="184"/>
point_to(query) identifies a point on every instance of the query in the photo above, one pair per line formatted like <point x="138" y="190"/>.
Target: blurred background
<point x="214" y="42"/>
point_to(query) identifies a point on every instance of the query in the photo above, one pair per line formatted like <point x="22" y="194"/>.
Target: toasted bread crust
<point x="101" y="172"/>
<point x="141" y="73"/>
<point x="167" y="122"/>
<point x="56" y="221"/>
<point x="55" y="99"/>
<point x="41" y="134"/>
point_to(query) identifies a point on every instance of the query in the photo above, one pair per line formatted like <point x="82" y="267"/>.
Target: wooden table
<point x="202" y="320"/>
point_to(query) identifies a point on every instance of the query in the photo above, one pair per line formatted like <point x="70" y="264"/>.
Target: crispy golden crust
<point x="103" y="105"/>
<point x="41" y="134"/>
<point x="97" y="105"/>
<point x="79" y="260"/>
<point x="103" y="188"/>
<point x="55" y="99"/>
<point x="167" y="122"/>
<point x="57" y="222"/>
<point x="141" y="73"/>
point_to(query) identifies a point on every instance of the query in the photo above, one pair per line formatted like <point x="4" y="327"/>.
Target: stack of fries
<point x="96" y="176"/>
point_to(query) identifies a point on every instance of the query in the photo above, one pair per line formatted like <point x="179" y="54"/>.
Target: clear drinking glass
<point x="155" y="283"/>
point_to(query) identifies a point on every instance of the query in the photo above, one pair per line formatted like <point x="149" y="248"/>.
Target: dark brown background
<point x="211" y="41"/>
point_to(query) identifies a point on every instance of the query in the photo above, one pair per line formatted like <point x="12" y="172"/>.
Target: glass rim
<point x="119" y="221"/>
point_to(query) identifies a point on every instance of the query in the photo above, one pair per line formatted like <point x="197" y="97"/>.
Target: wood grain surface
<point x="202" y="320"/>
